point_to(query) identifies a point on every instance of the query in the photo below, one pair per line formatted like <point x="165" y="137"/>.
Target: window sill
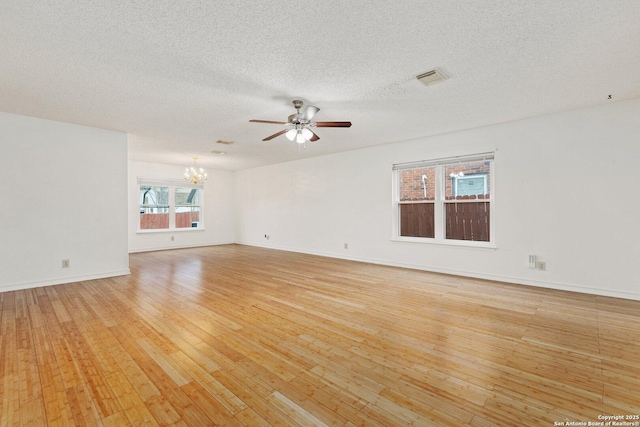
<point x="433" y="241"/>
<point x="167" y="230"/>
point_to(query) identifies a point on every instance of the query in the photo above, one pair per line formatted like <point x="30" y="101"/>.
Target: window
<point x="187" y="207"/>
<point x="154" y="207"/>
<point x="417" y="200"/>
<point x="169" y="205"/>
<point x="445" y="200"/>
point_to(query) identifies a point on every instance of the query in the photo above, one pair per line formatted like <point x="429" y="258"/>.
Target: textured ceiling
<point x="178" y="76"/>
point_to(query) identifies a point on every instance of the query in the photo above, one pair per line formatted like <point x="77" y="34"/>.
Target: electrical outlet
<point x="65" y="263"/>
<point x="172" y="238"/>
<point x="346" y="246"/>
<point x="542" y="266"/>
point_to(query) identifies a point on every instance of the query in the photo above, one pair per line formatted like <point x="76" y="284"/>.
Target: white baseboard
<point x="498" y="278"/>
<point x="168" y="248"/>
<point x="72" y="279"/>
<point x="507" y="279"/>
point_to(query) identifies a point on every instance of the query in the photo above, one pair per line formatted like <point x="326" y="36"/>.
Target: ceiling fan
<point x="299" y="124"/>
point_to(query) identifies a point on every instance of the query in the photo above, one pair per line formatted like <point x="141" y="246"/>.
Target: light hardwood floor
<point x="235" y="335"/>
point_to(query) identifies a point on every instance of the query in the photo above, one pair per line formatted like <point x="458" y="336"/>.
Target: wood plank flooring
<point x="240" y="336"/>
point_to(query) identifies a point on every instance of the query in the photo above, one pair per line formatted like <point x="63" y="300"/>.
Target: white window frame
<point x="172" y="185"/>
<point x="439" y="202"/>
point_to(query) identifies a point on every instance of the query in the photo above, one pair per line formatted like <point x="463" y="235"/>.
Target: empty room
<point x="320" y="214"/>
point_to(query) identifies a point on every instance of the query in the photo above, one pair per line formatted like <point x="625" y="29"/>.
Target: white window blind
<point x="444" y="161"/>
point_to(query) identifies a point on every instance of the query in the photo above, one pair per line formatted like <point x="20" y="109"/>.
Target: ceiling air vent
<point x="218" y="152"/>
<point x="431" y="77"/>
<point x="224" y="142"/>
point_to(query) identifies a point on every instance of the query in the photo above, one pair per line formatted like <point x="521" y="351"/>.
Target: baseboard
<point x="72" y="279"/>
<point x="168" y="248"/>
<point x="498" y="278"/>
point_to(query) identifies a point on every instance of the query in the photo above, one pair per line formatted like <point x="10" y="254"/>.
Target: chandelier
<point x="194" y="174"/>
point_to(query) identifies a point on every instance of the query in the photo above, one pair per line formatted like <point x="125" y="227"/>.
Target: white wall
<point x="566" y="190"/>
<point x="63" y="196"/>
<point x="218" y="210"/>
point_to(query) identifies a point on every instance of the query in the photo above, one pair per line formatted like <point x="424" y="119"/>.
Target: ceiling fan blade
<point x="268" y="121"/>
<point x="275" y="134"/>
<point x="333" y="124"/>
<point x="314" y="137"/>
<point x="310" y="111"/>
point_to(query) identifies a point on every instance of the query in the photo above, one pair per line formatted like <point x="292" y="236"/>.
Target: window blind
<point x="168" y="183"/>
<point x="444" y="161"/>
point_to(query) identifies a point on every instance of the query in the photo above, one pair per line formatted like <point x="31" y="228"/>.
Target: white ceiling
<point x="178" y="76"/>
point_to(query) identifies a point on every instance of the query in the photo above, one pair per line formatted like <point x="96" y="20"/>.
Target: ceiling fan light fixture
<point x="307" y="134"/>
<point x="291" y="134"/>
<point x="300" y="139"/>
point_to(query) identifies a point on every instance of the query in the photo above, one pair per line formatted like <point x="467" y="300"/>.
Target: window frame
<point x="172" y="186"/>
<point x="440" y="201"/>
